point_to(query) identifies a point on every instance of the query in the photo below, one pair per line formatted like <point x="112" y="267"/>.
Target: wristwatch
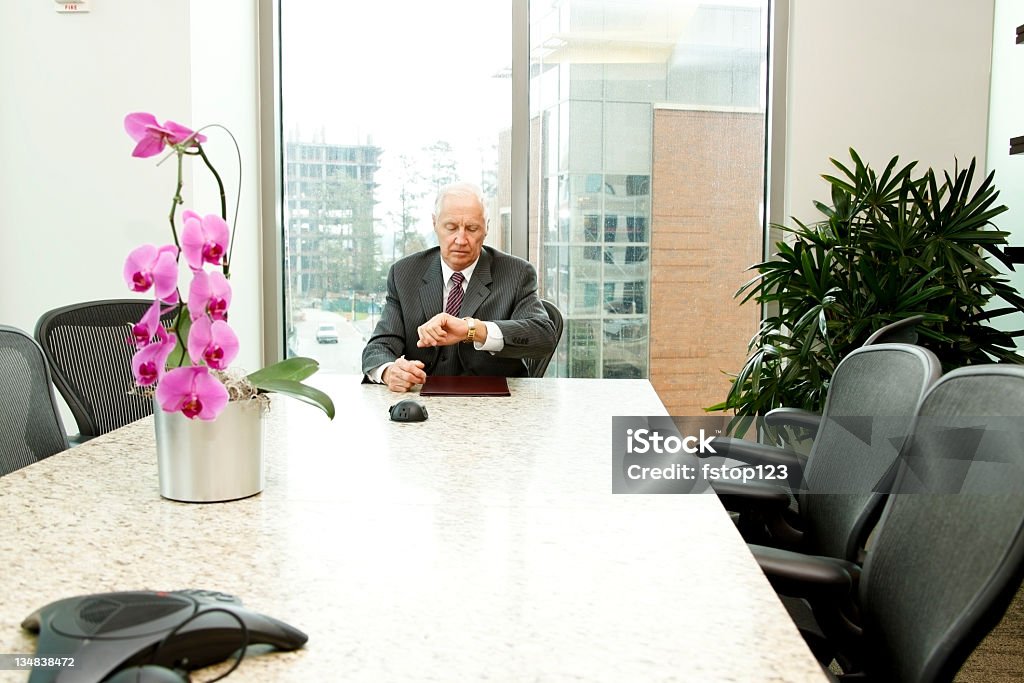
<point x="471" y="333"/>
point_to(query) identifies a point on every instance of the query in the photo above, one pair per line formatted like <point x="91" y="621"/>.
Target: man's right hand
<point x="403" y="374"/>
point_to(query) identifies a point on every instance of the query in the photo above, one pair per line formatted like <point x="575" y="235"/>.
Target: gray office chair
<point x="900" y="332"/>
<point x="869" y="409"/>
<point x="538" y="366"/>
<point x="947" y="556"/>
<point x="88" y="348"/>
<point x="30" y="425"/>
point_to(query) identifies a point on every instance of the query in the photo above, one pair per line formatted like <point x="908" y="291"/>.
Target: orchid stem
<point x="175" y="201"/>
<point x="223" y="197"/>
<point x="220" y="183"/>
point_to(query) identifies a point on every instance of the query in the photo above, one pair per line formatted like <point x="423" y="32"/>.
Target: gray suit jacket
<point x="503" y="290"/>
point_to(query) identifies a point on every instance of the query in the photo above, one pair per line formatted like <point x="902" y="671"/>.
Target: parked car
<point x="327" y="333"/>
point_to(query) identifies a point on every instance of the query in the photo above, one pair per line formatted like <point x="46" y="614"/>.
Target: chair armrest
<point x="827" y="584"/>
<point x="754" y="453"/>
<point x="764" y="511"/>
<point x="814" y="577"/>
<point x="793" y="417"/>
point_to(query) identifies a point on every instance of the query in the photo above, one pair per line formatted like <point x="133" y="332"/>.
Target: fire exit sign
<point x="69" y="7"/>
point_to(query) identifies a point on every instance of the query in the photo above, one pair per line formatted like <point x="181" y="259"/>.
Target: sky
<point x="397" y="74"/>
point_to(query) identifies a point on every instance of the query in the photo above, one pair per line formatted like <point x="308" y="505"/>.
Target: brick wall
<point x="706" y="194"/>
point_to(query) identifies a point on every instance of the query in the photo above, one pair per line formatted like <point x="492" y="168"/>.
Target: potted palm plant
<point x="889" y="246"/>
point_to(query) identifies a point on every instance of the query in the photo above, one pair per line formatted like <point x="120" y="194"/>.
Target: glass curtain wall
<point x="374" y="121"/>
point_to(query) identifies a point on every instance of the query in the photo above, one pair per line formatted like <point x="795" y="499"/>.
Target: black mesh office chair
<point x="538" y="366"/>
<point x="947" y="556"/>
<point x="89" y="350"/>
<point x="869" y="409"/>
<point x="30" y="425"/>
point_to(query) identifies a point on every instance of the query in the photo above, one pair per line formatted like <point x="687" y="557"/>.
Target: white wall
<point x="905" y="77"/>
<point x="224" y="91"/>
<point x="73" y="202"/>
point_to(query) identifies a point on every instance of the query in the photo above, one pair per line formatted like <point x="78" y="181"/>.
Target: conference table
<point x="482" y="544"/>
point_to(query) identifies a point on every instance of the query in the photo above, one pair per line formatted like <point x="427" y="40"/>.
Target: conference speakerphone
<point x="98" y="635"/>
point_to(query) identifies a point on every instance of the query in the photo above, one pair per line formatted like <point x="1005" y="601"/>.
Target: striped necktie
<point x="454" y="303"/>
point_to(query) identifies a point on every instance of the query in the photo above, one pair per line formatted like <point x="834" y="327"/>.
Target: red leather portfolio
<point x="468" y="385"/>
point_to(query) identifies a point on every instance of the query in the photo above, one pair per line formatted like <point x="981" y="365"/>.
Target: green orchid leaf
<point x="179" y="330"/>
<point x="300" y="391"/>
<point x="297" y="369"/>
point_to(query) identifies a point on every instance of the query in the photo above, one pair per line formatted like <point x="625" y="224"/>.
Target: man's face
<point x="460" y="229"/>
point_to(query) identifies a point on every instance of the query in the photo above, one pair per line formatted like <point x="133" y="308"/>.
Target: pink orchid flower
<point x="152" y="137"/>
<point x="148" y="362"/>
<point x="149" y="266"/>
<point x="143" y="331"/>
<point x="212" y="342"/>
<point x="209" y="294"/>
<point x="203" y="239"/>
<point x="193" y="391"/>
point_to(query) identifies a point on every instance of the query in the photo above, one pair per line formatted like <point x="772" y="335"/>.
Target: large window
<point x="645" y="169"/>
<point x="382" y="103"/>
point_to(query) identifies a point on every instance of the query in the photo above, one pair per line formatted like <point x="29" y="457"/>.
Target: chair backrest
<point x="901" y="332"/>
<point x="538" y="366"/>
<point x="89" y="350"/>
<point x="30" y="424"/>
<point x="869" y="410"/>
<point x="948" y="554"/>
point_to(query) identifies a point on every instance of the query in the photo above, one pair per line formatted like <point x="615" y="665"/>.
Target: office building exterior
<point x="330" y="249"/>
<point x="647" y="176"/>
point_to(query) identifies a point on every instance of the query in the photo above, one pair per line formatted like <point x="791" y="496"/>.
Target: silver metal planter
<point x="211" y="461"/>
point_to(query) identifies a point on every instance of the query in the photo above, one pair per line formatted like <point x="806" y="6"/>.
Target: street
<point x="341" y="358"/>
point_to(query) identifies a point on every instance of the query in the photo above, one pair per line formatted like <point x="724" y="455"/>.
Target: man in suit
<point x="459" y="308"/>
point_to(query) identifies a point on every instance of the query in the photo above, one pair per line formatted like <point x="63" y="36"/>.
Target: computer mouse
<point x="408" y="410"/>
<point x="146" y="674"/>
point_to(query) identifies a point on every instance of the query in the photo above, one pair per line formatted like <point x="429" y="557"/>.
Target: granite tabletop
<point x="482" y="544"/>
